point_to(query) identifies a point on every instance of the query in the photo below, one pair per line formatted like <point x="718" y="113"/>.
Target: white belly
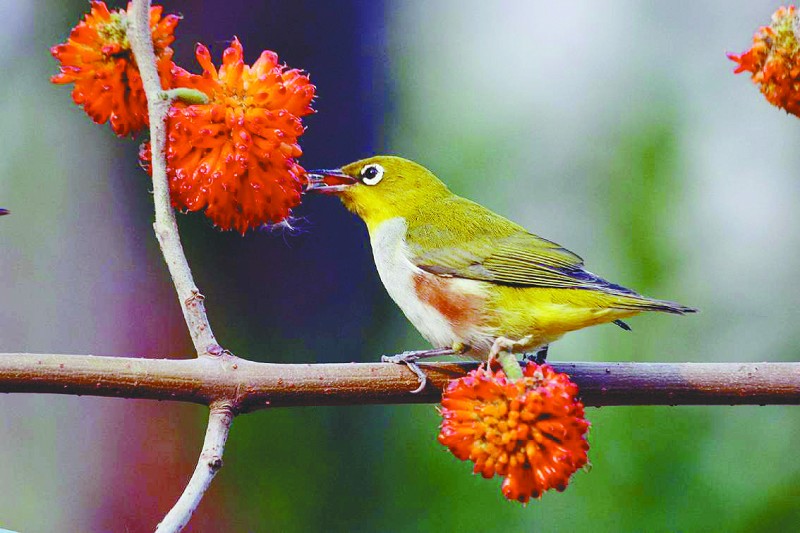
<point x="398" y="273"/>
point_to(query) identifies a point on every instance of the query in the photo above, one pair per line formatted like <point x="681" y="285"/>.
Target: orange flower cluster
<point x="97" y="58"/>
<point x="774" y="60"/>
<point x="532" y="431"/>
<point x="235" y="155"/>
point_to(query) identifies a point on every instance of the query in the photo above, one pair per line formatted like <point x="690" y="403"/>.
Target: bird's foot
<point x="410" y="360"/>
<point x="539" y="356"/>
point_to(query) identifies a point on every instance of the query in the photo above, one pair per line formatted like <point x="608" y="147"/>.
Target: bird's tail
<point x="623" y="298"/>
<point x="637" y="302"/>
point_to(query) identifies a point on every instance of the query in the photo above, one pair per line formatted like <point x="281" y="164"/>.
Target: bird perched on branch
<point x="471" y="281"/>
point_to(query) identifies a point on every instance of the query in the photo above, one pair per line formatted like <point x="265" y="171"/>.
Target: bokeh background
<point x="613" y="127"/>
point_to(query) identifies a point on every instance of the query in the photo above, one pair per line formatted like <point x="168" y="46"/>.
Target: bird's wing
<point x="485" y="246"/>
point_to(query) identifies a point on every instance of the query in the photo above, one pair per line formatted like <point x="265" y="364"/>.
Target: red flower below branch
<point x="235" y="156"/>
<point x="774" y="60"/>
<point x="97" y="58"/>
<point x="531" y="431"/>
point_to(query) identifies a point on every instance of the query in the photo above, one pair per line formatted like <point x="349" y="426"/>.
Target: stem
<point x="189" y="96"/>
<point x="510" y="365"/>
<point x="219" y="424"/>
<point x="165" y="227"/>
<point x="796" y="27"/>
<point x="255" y="386"/>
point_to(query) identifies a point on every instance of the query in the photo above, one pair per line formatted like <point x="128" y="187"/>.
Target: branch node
<point x="215" y="463"/>
<point x="214" y="350"/>
<point x="196" y="296"/>
<point x="222" y="407"/>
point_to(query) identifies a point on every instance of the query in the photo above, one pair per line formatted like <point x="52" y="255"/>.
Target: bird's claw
<point x="401" y="358"/>
<point x="539" y="356"/>
<point x="410" y="360"/>
<point x="423" y="378"/>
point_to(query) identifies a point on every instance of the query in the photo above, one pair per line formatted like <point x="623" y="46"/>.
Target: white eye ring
<point x="371" y="174"/>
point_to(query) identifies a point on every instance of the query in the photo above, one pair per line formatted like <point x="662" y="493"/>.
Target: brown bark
<point x="250" y="386"/>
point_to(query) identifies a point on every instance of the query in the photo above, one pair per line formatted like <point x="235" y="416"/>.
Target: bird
<point x="472" y="282"/>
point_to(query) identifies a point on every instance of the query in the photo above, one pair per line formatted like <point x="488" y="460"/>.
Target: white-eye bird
<point x="471" y="281"/>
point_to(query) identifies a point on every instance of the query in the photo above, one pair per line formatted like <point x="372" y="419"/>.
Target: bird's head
<point x="380" y="187"/>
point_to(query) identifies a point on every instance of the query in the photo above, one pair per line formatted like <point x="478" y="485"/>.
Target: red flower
<point x="235" y="156"/>
<point x="532" y="431"/>
<point x="774" y="60"/>
<point x="97" y="58"/>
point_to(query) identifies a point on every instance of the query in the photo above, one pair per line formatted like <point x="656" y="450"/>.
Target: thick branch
<point x="219" y="423"/>
<point x="166" y="228"/>
<point x="253" y="386"/>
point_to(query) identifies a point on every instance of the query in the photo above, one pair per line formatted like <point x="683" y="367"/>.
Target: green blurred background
<point x="615" y="128"/>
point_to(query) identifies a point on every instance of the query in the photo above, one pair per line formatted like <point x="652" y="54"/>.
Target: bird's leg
<point x="539" y="356"/>
<point x="416" y="355"/>
<point x="504" y="344"/>
<point x="410" y="360"/>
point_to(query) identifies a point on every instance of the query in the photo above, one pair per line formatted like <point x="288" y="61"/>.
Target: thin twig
<point x="253" y="386"/>
<point x="219" y="423"/>
<point x="189" y="296"/>
<point x="165" y="227"/>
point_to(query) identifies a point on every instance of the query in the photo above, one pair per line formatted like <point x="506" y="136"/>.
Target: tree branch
<point x="165" y="227"/>
<point x="219" y="423"/>
<point x="252" y="386"/>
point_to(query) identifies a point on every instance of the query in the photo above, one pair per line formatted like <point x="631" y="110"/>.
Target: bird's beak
<point x="329" y="181"/>
<point x="4" y="212"/>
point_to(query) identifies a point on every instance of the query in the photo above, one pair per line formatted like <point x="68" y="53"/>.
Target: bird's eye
<point x="371" y="174"/>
